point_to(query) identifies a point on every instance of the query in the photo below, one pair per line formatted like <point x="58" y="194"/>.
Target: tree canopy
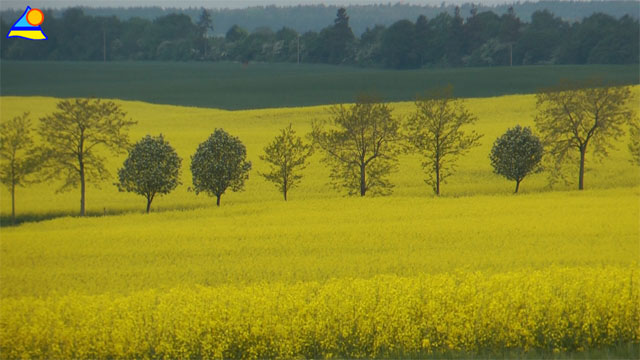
<point x="75" y="138"/>
<point x="151" y="169"/>
<point x="219" y="163"/>
<point x="360" y="143"/>
<point x="460" y="36"/>
<point x="516" y="154"/>
<point x="576" y="116"/>
<point x="436" y="131"/>
<point x="18" y="155"/>
<point x="287" y="155"/>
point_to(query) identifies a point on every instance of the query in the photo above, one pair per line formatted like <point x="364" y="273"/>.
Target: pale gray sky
<point x="18" y="4"/>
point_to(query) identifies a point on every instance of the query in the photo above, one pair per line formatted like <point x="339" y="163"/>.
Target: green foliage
<point x="398" y="49"/>
<point x="516" y="154"/>
<point x="152" y="168"/>
<point x="315" y="17"/>
<point x="369" y="46"/>
<point x="435" y="132"/>
<point x="479" y="29"/>
<point x="236" y="33"/>
<point x="541" y="39"/>
<point x="219" y="163"/>
<point x="361" y="146"/>
<point x="448" y="39"/>
<point x="510" y="27"/>
<point x="72" y="136"/>
<point x="335" y="44"/>
<point x="16" y="147"/>
<point x="287" y="155"/>
<point x="17" y="154"/>
<point x="204" y="25"/>
<point x="575" y="116"/>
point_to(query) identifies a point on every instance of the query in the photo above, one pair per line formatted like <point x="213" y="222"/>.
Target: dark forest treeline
<point x="479" y="38"/>
<point x="303" y="18"/>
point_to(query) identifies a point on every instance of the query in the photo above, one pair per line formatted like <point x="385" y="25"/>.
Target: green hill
<point x="258" y="85"/>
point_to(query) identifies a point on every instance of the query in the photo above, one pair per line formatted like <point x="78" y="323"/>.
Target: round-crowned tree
<point x="152" y="168"/>
<point x="219" y="163"/>
<point x="516" y="154"/>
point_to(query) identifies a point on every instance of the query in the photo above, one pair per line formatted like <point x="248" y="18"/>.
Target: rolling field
<point x="476" y="271"/>
<point x="258" y="85"/>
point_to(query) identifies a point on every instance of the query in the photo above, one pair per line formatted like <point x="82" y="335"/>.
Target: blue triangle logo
<point x="25" y="30"/>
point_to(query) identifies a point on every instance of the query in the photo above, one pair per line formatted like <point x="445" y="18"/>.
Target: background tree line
<point x="359" y="143"/>
<point x="465" y="37"/>
<point x="305" y="18"/>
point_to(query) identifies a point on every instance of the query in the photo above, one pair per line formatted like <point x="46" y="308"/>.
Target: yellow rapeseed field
<point x="185" y="128"/>
<point x="478" y="270"/>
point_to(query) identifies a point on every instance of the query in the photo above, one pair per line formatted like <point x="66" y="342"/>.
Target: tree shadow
<point x="6" y="222"/>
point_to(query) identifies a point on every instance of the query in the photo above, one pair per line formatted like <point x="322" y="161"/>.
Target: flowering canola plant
<point x="559" y="308"/>
<point x="322" y="276"/>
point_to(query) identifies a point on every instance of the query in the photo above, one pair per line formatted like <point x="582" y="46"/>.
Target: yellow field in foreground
<point x="556" y="309"/>
<point x="321" y="278"/>
<point x="478" y="270"/>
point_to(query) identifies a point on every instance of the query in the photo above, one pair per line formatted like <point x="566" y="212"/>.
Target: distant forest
<point x="523" y="34"/>
<point x="316" y="17"/>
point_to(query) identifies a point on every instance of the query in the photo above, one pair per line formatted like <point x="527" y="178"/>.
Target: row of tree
<point x="479" y="39"/>
<point x="303" y="18"/>
<point x="360" y="144"/>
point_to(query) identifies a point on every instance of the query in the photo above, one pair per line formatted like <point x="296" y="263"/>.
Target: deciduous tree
<point x="152" y="168"/>
<point x="573" y="117"/>
<point x="435" y="131"/>
<point x="236" y="33"/>
<point x="219" y="163"/>
<point x="73" y="136"/>
<point x="18" y="157"/>
<point x="516" y="154"/>
<point x="287" y="155"/>
<point x="361" y="144"/>
<point x="398" y="46"/>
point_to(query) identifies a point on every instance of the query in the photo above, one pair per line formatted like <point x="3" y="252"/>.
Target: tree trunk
<point x="517" y="186"/>
<point x="218" y="199"/>
<point x="81" y="166"/>
<point x="363" y="186"/>
<point x="284" y="190"/>
<point x="149" y="200"/>
<point x="583" y="150"/>
<point x="82" y="189"/>
<point x="13" y="203"/>
<point x="437" y="179"/>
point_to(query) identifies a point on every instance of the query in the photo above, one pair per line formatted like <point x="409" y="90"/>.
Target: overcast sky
<point x="17" y="4"/>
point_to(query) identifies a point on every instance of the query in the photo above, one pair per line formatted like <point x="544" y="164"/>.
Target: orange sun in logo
<point x="35" y="17"/>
